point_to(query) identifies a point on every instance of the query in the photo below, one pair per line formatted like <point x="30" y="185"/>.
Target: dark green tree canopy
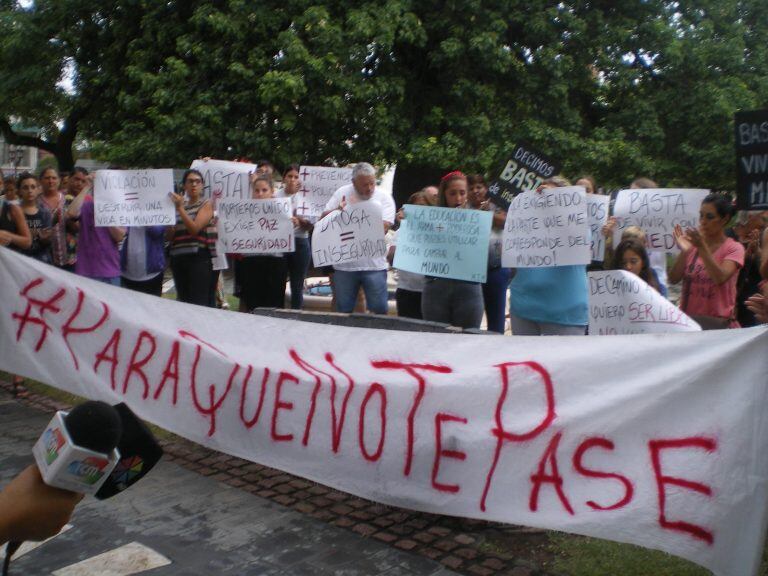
<point x="613" y="88"/>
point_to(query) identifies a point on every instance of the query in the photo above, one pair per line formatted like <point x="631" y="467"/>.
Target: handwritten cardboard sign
<point x="547" y="228"/>
<point x="597" y="215"/>
<point x="752" y="159"/>
<point x="318" y="183"/>
<point x="659" y="444"/>
<point x="133" y="198"/>
<point x="525" y="170"/>
<point x="444" y="242"/>
<point x="223" y="179"/>
<point x="256" y="226"/>
<point x="350" y="235"/>
<point x="622" y="303"/>
<point x="657" y="211"/>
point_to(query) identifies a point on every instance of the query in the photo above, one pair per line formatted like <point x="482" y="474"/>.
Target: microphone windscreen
<point x="139" y="452"/>
<point x="94" y="425"/>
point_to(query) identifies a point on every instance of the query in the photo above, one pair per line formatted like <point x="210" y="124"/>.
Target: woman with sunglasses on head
<point x="708" y="264"/>
<point x="193" y="243"/>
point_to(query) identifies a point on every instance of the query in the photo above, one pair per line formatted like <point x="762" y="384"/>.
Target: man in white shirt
<point x="370" y="273"/>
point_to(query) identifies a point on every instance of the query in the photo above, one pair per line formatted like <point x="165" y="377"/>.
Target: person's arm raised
<point x="201" y="220"/>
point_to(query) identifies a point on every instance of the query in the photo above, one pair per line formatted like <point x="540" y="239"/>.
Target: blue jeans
<point x="113" y="281"/>
<point x="347" y="284"/>
<point x="298" y="262"/>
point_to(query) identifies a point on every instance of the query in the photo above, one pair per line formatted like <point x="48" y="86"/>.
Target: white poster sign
<point x="223" y="179"/>
<point x="349" y="235"/>
<point x="597" y="215"/>
<point x="318" y="183"/>
<point x="664" y="445"/>
<point x="547" y="228"/>
<point x="133" y="198"/>
<point x="622" y="303"/>
<point x="657" y="211"/>
<point x="256" y="226"/>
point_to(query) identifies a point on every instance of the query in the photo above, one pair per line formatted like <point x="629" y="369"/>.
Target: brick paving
<point x="468" y="546"/>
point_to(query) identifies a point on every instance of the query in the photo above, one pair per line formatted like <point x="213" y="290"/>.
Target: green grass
<point x="581" y="556"/>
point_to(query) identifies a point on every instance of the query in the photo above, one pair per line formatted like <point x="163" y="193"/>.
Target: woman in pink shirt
<point x="708" y="265"/>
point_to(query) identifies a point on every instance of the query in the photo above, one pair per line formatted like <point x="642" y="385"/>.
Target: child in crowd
<point x="262" y="276"/>
<point x="638" y="234"/>
<point x="631" y="255"/>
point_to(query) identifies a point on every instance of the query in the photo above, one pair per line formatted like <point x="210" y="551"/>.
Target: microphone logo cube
<point x="53" y="440"/>
<point x="65" y="465"/>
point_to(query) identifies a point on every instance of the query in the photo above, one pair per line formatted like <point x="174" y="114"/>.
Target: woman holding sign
<point x="708" y="265"/>
<point x="455" y="302"/>
<point x="193" y="243"/>
<point x="549" y="301"/>
<point x="262" y="276"/>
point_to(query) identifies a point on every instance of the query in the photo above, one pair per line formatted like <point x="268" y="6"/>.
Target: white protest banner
<point x="597" y="215"/>
<point x="444" y="242"/>
<point x="133" y="198"/>
<point x="318" y="183"/>
<point x="225" y="179"/>
<point x="661" y="442"/>
<point x="657" y="211"/>
<point x="547" y="228"/>
<point x="256" y="226"/>
<point x="349" y="235"/>
<point x="622" y="303"/>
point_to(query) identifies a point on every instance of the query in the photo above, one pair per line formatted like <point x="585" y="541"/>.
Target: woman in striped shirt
<point x="193" y="243"/>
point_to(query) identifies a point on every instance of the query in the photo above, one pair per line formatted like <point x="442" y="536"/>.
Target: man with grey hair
<point x="369" y="273"/>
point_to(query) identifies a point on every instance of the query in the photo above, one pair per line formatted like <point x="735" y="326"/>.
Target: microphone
<point x="78" y="450"/>
<point x="139" y="452"/>
<point x="94" y="449"/>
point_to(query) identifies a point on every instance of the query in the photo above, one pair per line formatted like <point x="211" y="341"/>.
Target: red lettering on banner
<point x="375" y="388"/>
<point x="135" y="366"/>
<point x="171" y="372"/>
<point x="578" y="465"/>
<point x="109" y="354"/>
<point x="412" y="369"/>
<point x="280" y="405"/>
<point x="214" y="403"/>
<point x="68" y="327"/>
<point x="337" y="422"/>
<point x="503" y="435"/>
<point x="656" y="447"/>
<point x="441" y="453"/>
<point x="554" y="478"/>
<point x="250" y="423"/>
<point x="43" y="306"/>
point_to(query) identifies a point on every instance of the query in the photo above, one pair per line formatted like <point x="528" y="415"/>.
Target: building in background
<point x="15" y="159"/>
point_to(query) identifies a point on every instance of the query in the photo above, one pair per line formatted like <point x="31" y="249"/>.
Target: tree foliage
<point x="616" y="88"/>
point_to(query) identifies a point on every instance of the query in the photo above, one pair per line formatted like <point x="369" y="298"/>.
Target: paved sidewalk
<point x="212" y="513"/>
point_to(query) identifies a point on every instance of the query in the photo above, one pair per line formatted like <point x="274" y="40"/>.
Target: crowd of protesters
<point x="722" y="264"/>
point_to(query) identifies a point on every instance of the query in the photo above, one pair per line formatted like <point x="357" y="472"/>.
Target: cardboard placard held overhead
<point x="657" y="211"/>
<point x="133" y="198"/>
<point x="752" y="159"/>
<point x="524" y="171"/>
<point x="597" y="215"/>
<point x="546" y="229"/>
<point x="223" y="179"/>
<point x="318" y="183"/>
